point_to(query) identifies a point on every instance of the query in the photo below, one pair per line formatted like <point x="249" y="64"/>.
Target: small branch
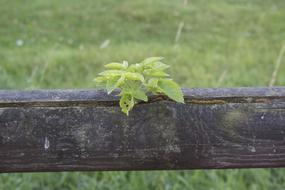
<point x="105" y="44"/>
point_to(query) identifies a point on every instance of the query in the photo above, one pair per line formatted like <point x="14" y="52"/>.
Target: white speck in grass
<point x="46" y="143"/>
<point x="19" y="42"/>
<point x="105" y="44"/>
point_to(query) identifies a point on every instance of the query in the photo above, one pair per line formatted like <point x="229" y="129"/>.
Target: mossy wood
<point x="75" y="130"/>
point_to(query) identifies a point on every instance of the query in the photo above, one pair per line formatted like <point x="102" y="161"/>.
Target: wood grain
<point x="76" y="130"/>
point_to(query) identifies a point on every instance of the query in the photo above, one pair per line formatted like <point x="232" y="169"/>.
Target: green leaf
<point x="120" y="81"/>
<point x="111" y="73"/>
<point x="135" y="68"/>
<point x="155" y="73"/>
<point x="152" y="59"/>
<point x="126" y="103"/>
<point x="151" y="86"/>
<point x="99" y="79"/>
<point x="152" y="82"/>
<point x="112" y="84"/>
<point x="171" y="89"/>
<point x="134" y="76"/>
<point x="160" y="66"/>
<point x="116" y="66"/>
<point x="139" y="94"/>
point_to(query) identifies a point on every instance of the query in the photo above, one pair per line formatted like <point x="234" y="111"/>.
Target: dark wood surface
<point x="66" y="130"/>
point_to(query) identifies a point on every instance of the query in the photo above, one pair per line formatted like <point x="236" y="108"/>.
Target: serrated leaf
<point x="171" y="89"/>
<point x="153" y="82"/>
<point x="160" y="66"/>
<point x="139" y="94"/>
<point x="134" y="76"/>
<point x="111" y="73"/>
<point x="135" y="68"/>
<point x="120" y="81"/>
<point x="151" y="85"/>
<point x="152" y="59"/>
<point x="116" y="66"/>
<point x="99" y="79"/>
<point x="112" y="84"/>
<point x="155" y="73"/>
<point x="126" y="103"/>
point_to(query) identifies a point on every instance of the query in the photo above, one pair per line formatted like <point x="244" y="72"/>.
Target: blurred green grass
<point x="63" y="44"/>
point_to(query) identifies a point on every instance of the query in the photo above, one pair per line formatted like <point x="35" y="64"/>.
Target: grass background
<point x="63" y="44"/>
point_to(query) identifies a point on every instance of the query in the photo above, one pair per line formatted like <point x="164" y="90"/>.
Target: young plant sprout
<point x="136" y="80"/>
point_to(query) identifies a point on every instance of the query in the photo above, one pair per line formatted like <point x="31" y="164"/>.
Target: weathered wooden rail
<point x="66" y="130"/>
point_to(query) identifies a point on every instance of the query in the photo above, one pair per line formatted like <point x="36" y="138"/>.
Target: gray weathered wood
<point x="66" y="130"/>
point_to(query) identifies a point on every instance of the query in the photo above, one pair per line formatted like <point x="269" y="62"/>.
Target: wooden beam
<point x="68" y="130"/>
